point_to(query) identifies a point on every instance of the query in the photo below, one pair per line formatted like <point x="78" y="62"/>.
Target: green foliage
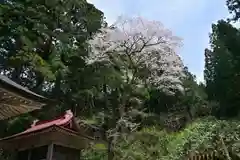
<point x="43" y="46"/>
<point x="156" y="144"/>
<point x="233" y="7"/>
<point x="35" y="35"/>
<point x="222" y="68"/>
<point x="15" y="125"/>
<point x="97" y="152"/>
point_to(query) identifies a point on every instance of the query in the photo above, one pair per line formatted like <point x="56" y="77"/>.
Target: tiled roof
<point x="8" y="84"/>
<point x="9" y="88"/>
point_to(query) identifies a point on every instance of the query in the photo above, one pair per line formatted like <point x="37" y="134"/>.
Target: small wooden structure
<point x="57" y="139"/>
<point x="205" y="156"/>
<point x="16" y="100"/>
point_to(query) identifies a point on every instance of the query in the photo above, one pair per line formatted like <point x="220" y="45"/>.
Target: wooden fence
<point x="205" y="156"/>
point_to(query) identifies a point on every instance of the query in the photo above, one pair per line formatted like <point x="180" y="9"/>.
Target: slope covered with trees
<point x="126" y="79"/>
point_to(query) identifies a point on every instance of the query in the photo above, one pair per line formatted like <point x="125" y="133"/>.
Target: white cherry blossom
<point x="141" y="45"/>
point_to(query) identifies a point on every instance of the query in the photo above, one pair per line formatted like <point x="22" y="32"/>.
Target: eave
<point x="16" y="100"/>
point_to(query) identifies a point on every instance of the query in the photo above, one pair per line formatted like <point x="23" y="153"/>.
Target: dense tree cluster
<point x="126" y="78"/>
<point x="222" y="68"/>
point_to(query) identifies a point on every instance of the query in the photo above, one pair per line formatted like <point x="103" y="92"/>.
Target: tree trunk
<point x="16" y="75"/>
<point x="39" y="82"/>
<point x="110" y="149"/>
<point x="57" y="88"/>
<point x="190" y="116"/>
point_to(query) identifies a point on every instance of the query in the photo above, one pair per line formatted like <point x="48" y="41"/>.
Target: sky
<point x="189" y="19"/>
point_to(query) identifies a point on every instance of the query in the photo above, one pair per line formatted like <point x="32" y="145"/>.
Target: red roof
<point x="61" y="121"/>
<point x="64" y="123"/>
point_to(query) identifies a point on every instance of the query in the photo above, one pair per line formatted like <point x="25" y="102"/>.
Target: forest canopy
<point x="126" y="79"/>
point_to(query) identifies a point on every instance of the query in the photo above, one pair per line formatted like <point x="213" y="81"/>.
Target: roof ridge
<point x="65" y="120"/>
<point x="41" y="122"/>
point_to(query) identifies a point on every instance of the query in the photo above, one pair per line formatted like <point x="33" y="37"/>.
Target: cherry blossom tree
<point x="144" y="50"/>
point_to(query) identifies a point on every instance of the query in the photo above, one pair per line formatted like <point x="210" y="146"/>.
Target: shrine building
<point x="57" y="139"/>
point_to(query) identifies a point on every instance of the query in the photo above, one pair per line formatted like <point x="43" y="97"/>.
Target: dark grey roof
<point x="8" y="84"/>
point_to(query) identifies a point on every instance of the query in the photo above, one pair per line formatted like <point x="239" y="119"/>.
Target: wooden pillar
<point x="14" y="154"/>
<point x="80" y="155"/>
<point x="50" y="152"/>
<point x="29" y="154"/>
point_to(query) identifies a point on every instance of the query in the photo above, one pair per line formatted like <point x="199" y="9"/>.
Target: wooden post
<point x="50" y="152"/>
<point x="29" y="154"/>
